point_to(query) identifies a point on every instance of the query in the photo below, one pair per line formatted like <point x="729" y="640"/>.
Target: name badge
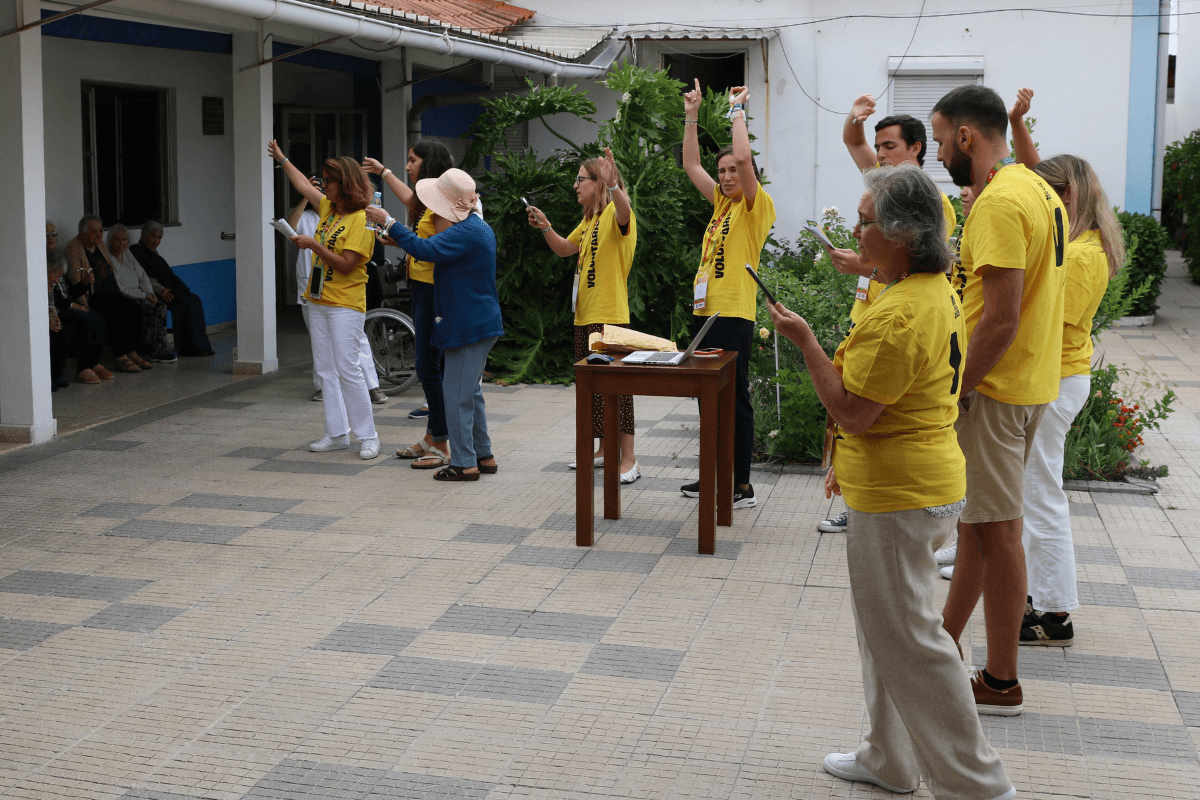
<point x="864" y="283"/>
<point x="575" y="293"/>
<point x="700" y="292"/>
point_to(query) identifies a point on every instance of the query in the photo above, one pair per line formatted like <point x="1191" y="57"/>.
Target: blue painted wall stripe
<point x="1143" y="86"/>
<point x="325" y="59"/>
<point x="118" y="31"/>
<point x="216" y="284"/>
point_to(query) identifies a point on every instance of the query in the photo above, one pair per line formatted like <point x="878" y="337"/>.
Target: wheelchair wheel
<point x="393" y="342"/>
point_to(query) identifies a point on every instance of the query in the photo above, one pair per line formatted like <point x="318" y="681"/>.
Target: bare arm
<point x="691" y="144"/>
<point x="743" y="156"/>
<point x="398" y="187"/>
<point x="297" y="212"/>
<point x="849" y="262"/>
<point x="997" y="328"/>
<point x="853" y="413"/>
<point x="854" y="135"/>
<point x="608" y="174"/>
<point x="560" y="246"/>
<point x="302" y="184"/>
<point x="345" y="263"/>
<point x="1026" y="150"/>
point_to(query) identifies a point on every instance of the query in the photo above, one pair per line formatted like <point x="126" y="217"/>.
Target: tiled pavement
<point x="193" y="606"/>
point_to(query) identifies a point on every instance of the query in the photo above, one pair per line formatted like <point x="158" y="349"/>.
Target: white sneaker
<point x="846" y="767"/>
<point x="327" y="443"/>
<point x="369" y="449"/>
<point x="947" y="572"/>
<point x="945" y="557"/>
<point x="632" y="475"/>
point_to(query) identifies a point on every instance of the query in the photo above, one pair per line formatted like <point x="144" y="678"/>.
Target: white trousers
<point x="365" y="358"/>
<point x="337" y="344"/>
<point x="1049" y="547"/>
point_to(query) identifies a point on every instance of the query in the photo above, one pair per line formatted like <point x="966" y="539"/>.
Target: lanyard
<point x="585" y="243"/>
<point x="1001" y="164"/>
<point x="712" y="232"/>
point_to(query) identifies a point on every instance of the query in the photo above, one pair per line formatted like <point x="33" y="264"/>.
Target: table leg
<point x="584" y="479"/>
<point x="708" y="467"/>
<point x="612" y="459"/>
<point x="726" y="419"/>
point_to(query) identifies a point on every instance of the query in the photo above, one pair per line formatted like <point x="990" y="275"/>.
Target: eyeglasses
<point x="581" y="178"/>
<point x="52" y="235"/>
<point x="862" y="223"/>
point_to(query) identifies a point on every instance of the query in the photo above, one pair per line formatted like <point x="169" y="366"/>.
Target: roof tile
<point x="484" y="16"/>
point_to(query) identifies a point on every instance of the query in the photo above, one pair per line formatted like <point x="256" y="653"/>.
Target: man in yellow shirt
<point x="1012" y="299"/>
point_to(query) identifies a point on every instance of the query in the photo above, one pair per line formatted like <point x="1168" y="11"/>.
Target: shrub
<point x="1149" y="263"/>
<point x="1181" y="196"/>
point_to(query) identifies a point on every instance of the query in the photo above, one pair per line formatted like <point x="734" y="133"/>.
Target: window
<point x="125" y="154"/>
<point x="919" y="83"/>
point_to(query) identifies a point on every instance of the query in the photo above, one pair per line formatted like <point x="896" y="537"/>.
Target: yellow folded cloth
<point x="615" y="339"/>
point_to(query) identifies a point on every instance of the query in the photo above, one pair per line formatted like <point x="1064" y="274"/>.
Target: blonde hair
<point x="1092" y="211"/>
<point x="592" y="168"/>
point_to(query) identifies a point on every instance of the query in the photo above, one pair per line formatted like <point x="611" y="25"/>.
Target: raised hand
<point x="692" y="100"/>
<point x="864" y="106"/>
<point x="1021" y="106"/>
<point x="536" y="218"/>
<point x="373" y="166"/>
<point x="608" y="169"/>
<point x="739" y="95"/>
<point x="275" y="151"/>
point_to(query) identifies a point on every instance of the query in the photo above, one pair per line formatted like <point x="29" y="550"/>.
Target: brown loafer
<point x="453" y="473"/>
<point x="87" y="376"/>
<point x="104" y="374"/>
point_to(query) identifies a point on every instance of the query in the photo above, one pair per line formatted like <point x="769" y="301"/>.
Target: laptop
<point x="660" y="358"/>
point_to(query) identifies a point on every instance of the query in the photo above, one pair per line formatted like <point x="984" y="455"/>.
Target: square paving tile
<point x="552" y="557"/>
<point x="1163" y="578"/>
<point x="298" y="522"/>
<point x="517" y="684"/>
<point x="564" y="627"/>
<point x="629" y="661"/>
<point x="493" y="534"/>
<point x="133" y="617"/>
<point x="1189" y="707"/>
<point x="22" y="634"/>
<point x="1126" y="739"/>
<point x="1106" y="594"/>
<point x="113" y="510"/>
<point x="66" y="584"/>
<point x="178" y="531"/>
<point x="356" y="637"/>
<point x="230" y="502"/>
<point x="1087" y="554"/>
<point x="606" y="561"/>
<point x="1043" y="733"/>
<point x="430" y="675"/>
<point x="481" y="620"/>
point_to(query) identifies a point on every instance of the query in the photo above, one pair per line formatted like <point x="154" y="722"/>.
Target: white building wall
<point x="1077" y="66"/>
<point x="1184" y="115"/>
<point x="203" y="164"/>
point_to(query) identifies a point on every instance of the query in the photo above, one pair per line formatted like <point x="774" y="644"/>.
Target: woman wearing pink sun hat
<point x="466" y="308"/>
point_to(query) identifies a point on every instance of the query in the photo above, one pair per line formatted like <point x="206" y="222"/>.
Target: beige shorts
<point x="995" y="438"/>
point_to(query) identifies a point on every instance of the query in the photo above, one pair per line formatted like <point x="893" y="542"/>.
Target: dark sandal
<point x="486" y="469"/>
<point x="453" y="473"/>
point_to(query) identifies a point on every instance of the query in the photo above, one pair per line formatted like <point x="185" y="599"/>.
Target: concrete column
<point x="254" y="204"/>
<point x="395" y="126"/>
<point x="26" y="414"/>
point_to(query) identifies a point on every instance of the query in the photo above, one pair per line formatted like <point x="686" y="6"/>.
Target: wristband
<point x="285" y="160"/>
<point x="388" y="223"/>
<point x="690" y="121"/>
<point x="385" y="172"/>
<point x="548" y="227"/>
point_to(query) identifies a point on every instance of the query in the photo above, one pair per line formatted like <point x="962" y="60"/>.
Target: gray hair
<point x="113" y="231"/>
<point x="908" y="208"/>
<point x="150" y="226"/>
<point x="55" y="260"/>
<point x="86" y="220"/>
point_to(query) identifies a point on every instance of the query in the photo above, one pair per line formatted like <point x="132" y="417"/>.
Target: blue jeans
<point x="429" y="360"/>
<point x="463" y="393"/>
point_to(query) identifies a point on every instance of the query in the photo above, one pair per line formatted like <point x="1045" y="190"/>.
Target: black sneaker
<point x="1048" y="630"/>
<point x="744" y="498"/>
<point x="690" y="489"/>
<point x="834" y="524"/>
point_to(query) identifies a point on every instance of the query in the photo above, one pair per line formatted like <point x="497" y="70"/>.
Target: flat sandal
<point x="453" y="473"/>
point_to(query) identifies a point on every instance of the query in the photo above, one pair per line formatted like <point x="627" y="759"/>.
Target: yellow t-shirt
<point x="339" y="234"/>
<point x="734" y="238"/>
<point x="1018" y="222"/>
<point x="1087" y="279"/>
<point x="906" y="352"/>
<point x="422" y="270"/>
<point x="605" y="256"/>
<point x="860" y="306"/>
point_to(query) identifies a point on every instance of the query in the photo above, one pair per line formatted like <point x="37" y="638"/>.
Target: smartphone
<point x="526" y="202"/>
<point x="766" y="291"/>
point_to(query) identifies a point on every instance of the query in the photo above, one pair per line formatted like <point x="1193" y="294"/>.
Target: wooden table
<point x="709" y="379"/>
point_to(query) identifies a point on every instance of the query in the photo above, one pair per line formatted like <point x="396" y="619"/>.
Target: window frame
<point x="932" y="67"/>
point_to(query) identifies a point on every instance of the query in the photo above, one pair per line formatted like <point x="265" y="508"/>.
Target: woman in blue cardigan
<point x="466" y="310"/>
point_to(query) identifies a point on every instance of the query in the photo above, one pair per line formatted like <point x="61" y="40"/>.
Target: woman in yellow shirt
<point x="1095" y="251"/>
<point x="427" y="158"/>
<point x="892" y="388"/>
<point x="337" y="293"/>
<point x="604" y="241"/>
<point x="743" y="214"/>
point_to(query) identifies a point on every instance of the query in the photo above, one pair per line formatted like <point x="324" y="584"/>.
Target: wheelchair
<point x="390" y="331"/>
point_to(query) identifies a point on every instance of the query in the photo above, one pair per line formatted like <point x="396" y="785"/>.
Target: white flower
<point x="773" y="434"/>
<point x="763" y="333"/>
<point x="831" y="211"/>
<point x="625" y="97"/>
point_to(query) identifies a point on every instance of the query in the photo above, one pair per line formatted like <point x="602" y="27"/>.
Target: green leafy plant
<point x="1181" y="196"/>
<point x="1149" y="263"/>
<point x="797" y="433"/>
<point x="1120" y="298"/>
<point x="1109" y="428"/>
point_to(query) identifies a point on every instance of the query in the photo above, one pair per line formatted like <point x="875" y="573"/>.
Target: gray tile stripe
<point x="1106" y="594"/>
<point x="1084" y="736"/>
<point x="229" y="502"/>
<point x="1052" y="664"/>
<point x="1160" y="578"/>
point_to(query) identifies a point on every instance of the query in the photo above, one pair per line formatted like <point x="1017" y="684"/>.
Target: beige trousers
<point x="923" y="718"/>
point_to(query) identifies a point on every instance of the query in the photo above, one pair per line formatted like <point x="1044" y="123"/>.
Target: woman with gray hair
<point x="187" y="310"/>
<point x="134" y="283"/>
<point x="892" y="390"/>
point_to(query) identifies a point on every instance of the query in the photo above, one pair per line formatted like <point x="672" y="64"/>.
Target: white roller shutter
<point x="916" y="95"/>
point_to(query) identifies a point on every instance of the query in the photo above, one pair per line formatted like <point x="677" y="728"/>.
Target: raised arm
<point x="691" y="144"/>
<point x="608" y="174"/>
<point x="743" y="156"/>
<point x="854" y="135"/>
<point x="298" y="179"/>
<point x="398" y="187"/>
<point x="439" y="248"/>
<point x="1026" y="150"/>
<point x="560" y="246"/>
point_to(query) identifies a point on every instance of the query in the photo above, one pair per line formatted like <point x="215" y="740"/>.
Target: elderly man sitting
<point x="187" y="311"/>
